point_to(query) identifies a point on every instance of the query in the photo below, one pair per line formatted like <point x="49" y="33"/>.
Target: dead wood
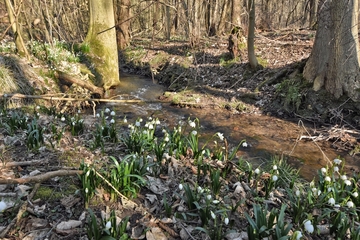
<point x="47" y="97"/>
<point x="40" y="178"/>
<point x="68" y="79"/>
<point x="27" y="163"/>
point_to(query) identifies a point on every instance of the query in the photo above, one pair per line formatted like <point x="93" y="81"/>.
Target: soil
<point x="275" y="89"/>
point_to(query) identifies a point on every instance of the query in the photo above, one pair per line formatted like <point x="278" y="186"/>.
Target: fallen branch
<point x="15" y="164"/>
<point x="45" y="97"/>
<point x="66" y="78"/>
<point x="40" y="178"/>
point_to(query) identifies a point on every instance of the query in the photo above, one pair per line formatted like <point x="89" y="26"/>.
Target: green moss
<point x="262" y="62"/>
<point x="47" y="193"/>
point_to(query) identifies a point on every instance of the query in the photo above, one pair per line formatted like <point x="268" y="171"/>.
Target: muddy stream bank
<point x="267" y="136"/>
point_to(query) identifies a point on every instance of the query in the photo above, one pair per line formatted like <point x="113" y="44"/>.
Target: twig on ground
<point x="40" y="178"/>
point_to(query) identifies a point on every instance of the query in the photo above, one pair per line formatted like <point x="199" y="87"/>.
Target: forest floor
<point x="54" y="207"/>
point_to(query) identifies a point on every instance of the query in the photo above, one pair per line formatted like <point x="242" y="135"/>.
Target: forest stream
<point x="266" y="136"/>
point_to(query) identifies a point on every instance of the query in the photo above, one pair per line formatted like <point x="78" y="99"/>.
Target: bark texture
<point x="334" y="61"/>
<point x="101" y="38"/>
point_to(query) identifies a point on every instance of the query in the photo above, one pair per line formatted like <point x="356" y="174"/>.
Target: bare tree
<point x="13" y="18"/>
<point x="251" y="35"/>
<point x="123" y="17"/>
<point x="334" y="60"/>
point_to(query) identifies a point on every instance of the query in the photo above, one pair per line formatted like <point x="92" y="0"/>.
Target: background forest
<point x="284" y="74"/>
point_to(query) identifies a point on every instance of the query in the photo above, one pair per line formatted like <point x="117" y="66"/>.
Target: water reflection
<point x="266" y="135"/>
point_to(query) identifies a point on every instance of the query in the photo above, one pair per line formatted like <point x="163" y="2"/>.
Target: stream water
<point x="267" y="136"/>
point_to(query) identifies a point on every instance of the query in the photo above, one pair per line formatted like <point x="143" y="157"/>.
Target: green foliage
<point x="263" y="225"/>
<point x="107" y="229"/>
<point x="53" y="53"/>
<point x="34" y="135"/>
<point x="291" y="92"/>
<point x="13" y="121"/>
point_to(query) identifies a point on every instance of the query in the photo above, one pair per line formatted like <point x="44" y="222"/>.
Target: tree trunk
<point x="18" y="39"/>
<point x="123" y="14"/>
<point x="312" y="13"/>
<point x="334" y="60"/>
<point x="251" y="36"/>
<point x="236" y="13"/>
<point x="101" y="38"/>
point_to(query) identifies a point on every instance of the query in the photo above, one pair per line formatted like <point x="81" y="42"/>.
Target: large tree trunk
<point x="101" y="38"/>
<point x="123" y="15"/>
<point x="334" y="60"/>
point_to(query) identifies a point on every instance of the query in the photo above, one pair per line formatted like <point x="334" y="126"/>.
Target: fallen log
<point x="67" y="78"/>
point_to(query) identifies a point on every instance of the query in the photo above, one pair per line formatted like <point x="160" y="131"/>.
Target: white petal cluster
<point x="308" y="226"/>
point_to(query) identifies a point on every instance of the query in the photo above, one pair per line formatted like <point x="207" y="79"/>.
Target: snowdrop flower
<point x="318" y="192"/>
<point x="257" y="171"/>
<point x="212" y="214"/>
<point x="331" y="201"/>
<point x="323" y="171"/>
<point x="192" y="124"/>
<point x="37" y="107"/>
<point x="350" y="204"/>
<point x="274" y="178"/>
<point x="297" y="235"/>
<point x="112" y="113"/>
<point x="166" y="139"/>
<point x="73" y="123"/>
<point x="355" y="194"/>
<point x="347" y="182"/>
<point x="327" y="179"/>
<point x="145" y="132"/>
<point x="226" y="221"/>
<point x="87" y="173"/>
<point x="140" y="119"/>
<point x="151" y="126"/>
<point x="336" y="169"/>
<point x="107" y="110"/>
<point x="86" y="190"/>
<point x="343" y="177"/>
<point x="244" y="144"/>
<point x="164" y="130"/>
<point x="208" y="197"/>
<point x="221" y="136"/>
<point x="108" y="225"/>
<point x="337" y="161"/>
<point x="38" y="114"/>
<point x="97" y="115"/>
<point x="79" y="111"/>
<point x="297" y="193"/>
<point x="194" y="133"/>
<point x="308" y="226"/>
<point x="2" y="206"/>
<point x="337" y="205"/>
<point x="275" y="167"/>
<point x="216" y="201"/>
<point x="125" y="120"/>
<point x="200" y="190"/>
<point x="112" y="121"/>
<point x="62" y="119"/>
<point x="181" y="187"/>
<point x="137" y="124"/>
<point x="157" y="121"/>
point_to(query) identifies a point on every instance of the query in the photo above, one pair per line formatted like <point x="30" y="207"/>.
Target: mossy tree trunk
<point x="101" y="38"/>
<point x="334" y="60"/>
